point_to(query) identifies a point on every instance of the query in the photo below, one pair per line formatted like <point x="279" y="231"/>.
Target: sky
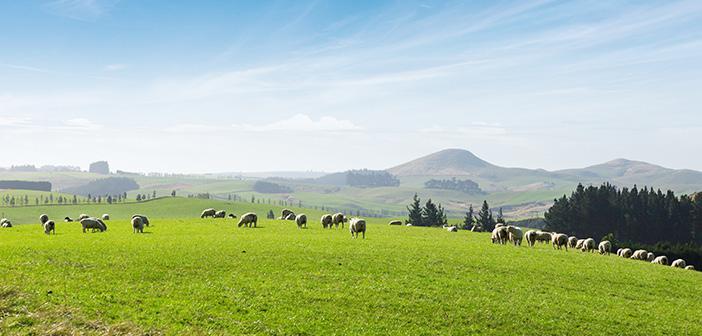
<point x="229" y="86"/>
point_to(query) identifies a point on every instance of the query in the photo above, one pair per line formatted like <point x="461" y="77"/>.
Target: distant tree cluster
<point x="100" y="167"/>
<point x="371" y="178"/>
<point x="430" y="214"/>
<point x="266" y="187"/>
<point x="26" y="185"/>
<point x="484" y="221"/>
<point x="23" y="168"/>
<point x="629" y="216"/>
<point x="466" y="186"/>
<point x="106" y="186"/>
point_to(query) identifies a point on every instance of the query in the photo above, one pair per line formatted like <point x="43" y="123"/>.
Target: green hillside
<point x="187" y="275"/>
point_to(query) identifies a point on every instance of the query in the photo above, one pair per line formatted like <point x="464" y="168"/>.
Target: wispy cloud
<point x="304" y="123"/>
<point x="82" y="10"/>
<point x="115" y="67"/>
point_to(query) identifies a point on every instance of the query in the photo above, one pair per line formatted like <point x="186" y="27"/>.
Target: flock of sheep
<point x="502" y="234"/>
<point x="328" y="221"/>
<point x="88" y="223"/>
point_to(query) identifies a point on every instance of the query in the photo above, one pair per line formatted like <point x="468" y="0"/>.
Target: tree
<point x="500" y="217"/>
<point x="138" y="198"/>
<point x="154" y="194"/>
<point x="173" y="193"/>
<point x="484" y="219"/>
<point x="415" y="212"/>
<point x="109" y="199"/>
<point x="468" y="220"/>
<point x="270" y="214"/>
<point x="430" y="214"/>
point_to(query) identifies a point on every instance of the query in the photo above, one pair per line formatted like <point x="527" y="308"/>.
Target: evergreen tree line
<point x="466" y="186"/>
<point x="484" y="220"/>
<point x="632" y="217"/>
<point x="371" y="178"/>
<point x="430" y="214"/>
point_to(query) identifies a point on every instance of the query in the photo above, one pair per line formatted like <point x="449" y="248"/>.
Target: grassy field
<point x="193" y="276"/>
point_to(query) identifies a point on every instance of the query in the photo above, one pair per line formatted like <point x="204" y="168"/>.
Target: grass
<point x="193" y="276"/>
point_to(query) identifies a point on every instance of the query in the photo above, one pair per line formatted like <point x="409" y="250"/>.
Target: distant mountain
<point x="448" y="162"/>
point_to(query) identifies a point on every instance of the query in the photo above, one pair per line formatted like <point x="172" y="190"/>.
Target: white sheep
<point x="5" y="223"/>
<point x="605" y="247"/>
<point x="209" y="212"/>
<point x="588" y="245"/>
<point x="301" y="221"/>
<point x="619" y="251"/>
<point x="49" y="227"/>
<point x="650" y="256"/>
<point x="248" y="219"/>
<point x="92" y="223"/>
<point x="626" y="253"/>
<point x="679" y="263"/>
<point x="530" y="237"/>
<point x="394" y="222"/>
<point x="339" y="218"/>
<point x="451" y="228"/>
<point x="639" y="255"/>
<point x="137" y="225"/>
<point x="661" y="260"/>
<point x="515" y="235"/>
<point x="543" y="236"/>
<point x="690" y="267"/>
<point x="500" y="235"/>
<point x="572" y="241"/>
<point x="579" y="244"/>
<point x="559" y="240"/>
<point x="144" y="219"/>
<point x="105" y="217"/>
<point x="220" y="214"/>
<point x="43" y="218"/>
<point x="356" y="226"/>
<point x="327" y="221"/>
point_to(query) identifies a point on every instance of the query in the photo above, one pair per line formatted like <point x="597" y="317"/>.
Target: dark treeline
<point x="26" y="185"/>
<point x="371" y="178"/>
<point x="466" y="186"/>
<point x="265" y="187"/>
<point x="632" y="218"/>
<point x="106" y="186"/>
<point x="430" y="214"/>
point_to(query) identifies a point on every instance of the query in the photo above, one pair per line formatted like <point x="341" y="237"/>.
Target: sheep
<point x="408" y="224"/>
<point x="248" y="219"/>
<point x="579" y="244"/>
<point x="290" y="217"/>
<point x="301" y="220"/>
<point x="451" y="228"/>
<point x="395" y="222"/>
<point x="661" y="260"/>
<point x="605" y="247"/>
<point x="515" y="235"/>
<point x="43" y="218"/>
<point x="530" y="237"/>
<point x="339" y="218"/>
<point x="679" y="263"/>
<point x="5" y="223"/>
<point x="639" y="255"/>
<point x="588" y="245"/>
<point x="231" y="215"/>
<point x="82" y="217"/>
<point x="619" y="251"/>
<point x="67" y="219"/>
<point x="285" y="213"/>
<point x="105" y="217"/>
<point x="357" y="225"/>
<point x="650" y="256"/>
<point x="499" y="225"/>
<point x="559" y="240"/>
<point x="572" y="241"/>
<point x="500" y="235"/>
<point x="326" y="221"/>
<point x="543" y="236"/>
<point x="49" y="227"/>
<point x="626" y="253"/>
<point x="220" y="214"/>
<point x="144" y="219"/>
<point x="137" y="225"/>
<point x="476" y="228"/>
<point x="690" y="267"/>
<point x="92" y="223"/>
<point x="209" y="212"/>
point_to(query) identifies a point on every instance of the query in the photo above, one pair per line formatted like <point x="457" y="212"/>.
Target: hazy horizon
<point x="262" y="86"/>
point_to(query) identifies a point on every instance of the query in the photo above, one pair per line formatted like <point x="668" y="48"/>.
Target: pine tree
<point x="468" y="220"/>
<point x="484" y="219"/>
<point x="430" y="214"/>
<point x="500" y="217"/>
<point x="415" y="212"/>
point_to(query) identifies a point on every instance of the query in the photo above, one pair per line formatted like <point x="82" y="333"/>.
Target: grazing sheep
<point x="588" y="245"/>
<point x="451" y="228"/>
<point x="650" y="256"/>
<point x="105" y="217"/>
<point x="579" y="244"/>
<point x="476" y="228"/>
<point x="515" y="235"/>
<point x="408" y="224"/>
<point x="248" y="219"/>
<point x="93" y="224"/>
<point x="301" y="220"/>
<point x="220" y="214"/>
<point x="339" y="218"/>
<point x="639" y="255"/>
<point x="137" y="225"/>
<point x="82" y="217"/>
<point x="572" y="241"/>
<point x="290" y="217"/>
<point x="679" y="263"/>
<point x="356" y="226"/>
<point x="690" y="267"/>
<point x="626" y="253"/>
<point x="543" y="236"/>
<point x="559" y="240"/>
<point x="67" y="219"/>
<point x="285" y="213"/>
<point x="500" y="235"/>
<point x="49" y="227"/>
<point x="396" y="222"/>
<point x="326" y="221"/>
<point x="231" y="215"/>
<point x="619" y="252"/>
<point x="530" y="237"/>
<point x="43" y="218"/>
<point x="605" y="247"/>
<point x="5" y="223"/>
<point x="209" y="212"/>
<point x="499" y="225"/>
<point x="661" y="260"/>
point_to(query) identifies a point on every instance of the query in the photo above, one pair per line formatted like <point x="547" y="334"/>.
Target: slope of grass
<point x="194" y="276"/>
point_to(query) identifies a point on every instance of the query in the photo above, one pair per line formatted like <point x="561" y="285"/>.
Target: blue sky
<point x="211" y="86"/>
